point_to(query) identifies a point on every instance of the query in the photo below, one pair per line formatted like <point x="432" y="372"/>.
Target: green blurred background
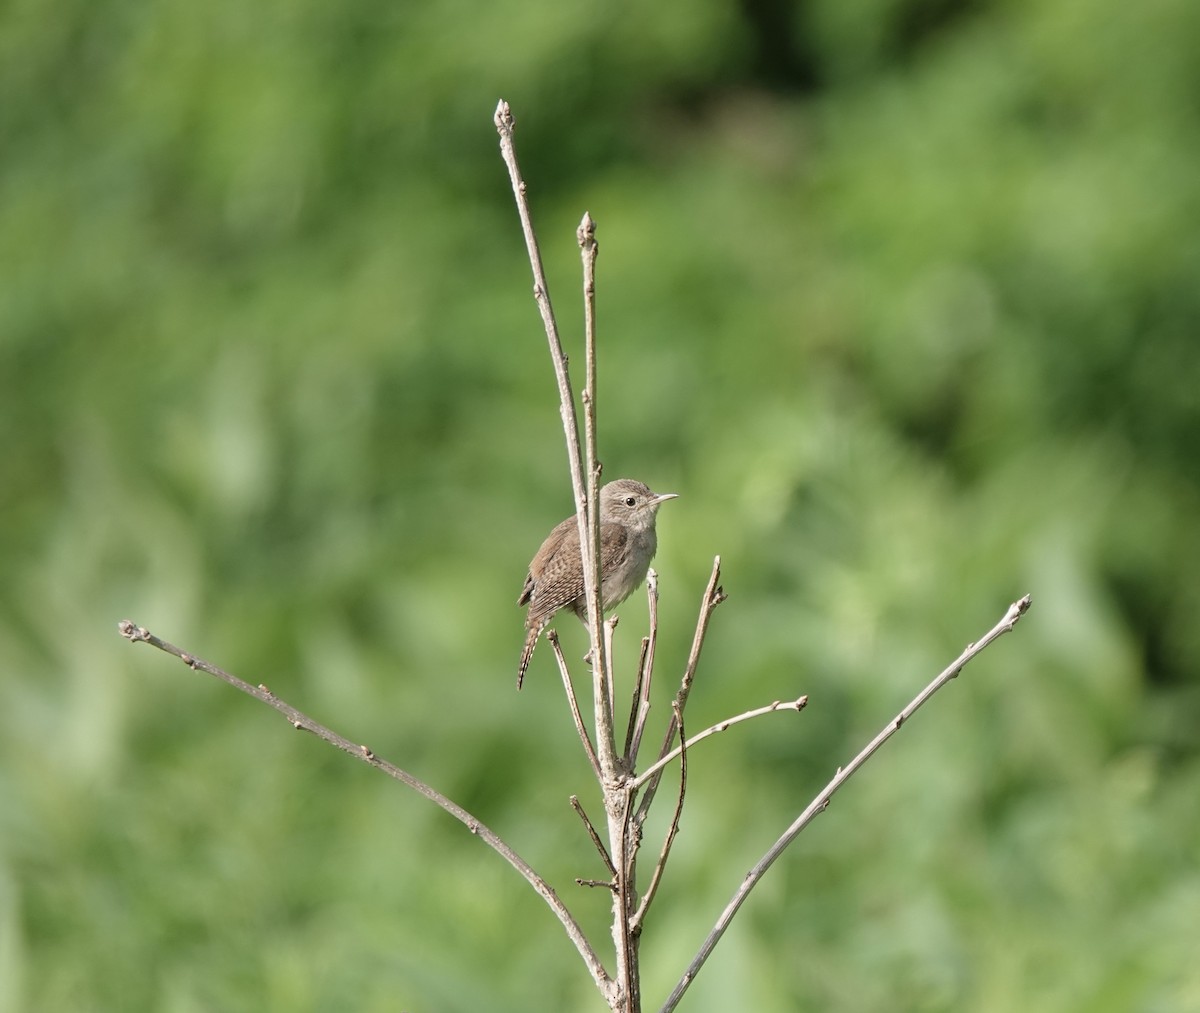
<point x="901" y="296"/>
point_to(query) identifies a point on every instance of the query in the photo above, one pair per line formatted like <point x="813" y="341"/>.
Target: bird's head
<point x="629" y="502"/>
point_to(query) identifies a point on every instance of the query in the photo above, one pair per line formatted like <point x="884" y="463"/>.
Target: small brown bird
<point x="627" y="544"/>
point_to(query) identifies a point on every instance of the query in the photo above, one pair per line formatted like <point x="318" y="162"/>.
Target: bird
<point x="627" y="544"/>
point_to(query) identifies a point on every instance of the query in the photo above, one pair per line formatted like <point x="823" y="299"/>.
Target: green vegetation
<point x="902" y="297"/>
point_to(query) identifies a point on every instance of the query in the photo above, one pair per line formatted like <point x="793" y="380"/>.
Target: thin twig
<point x="569" y="686"/>
<point x="627" y="977"/>
<point x="821" y="802"/>
<point x="635" y="923"/>
<point x="616" y="800"/>
<point x="779" y="705"/>
<point x="586" y="515"/>
<point x="643" y="712"/>
<point x="589" y="249"/>
<point x="541" y="294"/>
<point x="591" y="829"/>
<point x="297" y="719"/>
<point x="714" y="594"/>
<point x="645" y="673"/>
<point x="610" y="624"/>
<point x="607" y="884"/>
<point x="635" y="704"/>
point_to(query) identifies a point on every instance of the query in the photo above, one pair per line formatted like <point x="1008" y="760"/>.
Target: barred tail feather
<point x="531" y="639"/>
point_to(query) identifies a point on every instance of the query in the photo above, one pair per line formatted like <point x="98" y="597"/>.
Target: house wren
<point x="627" y="544"/>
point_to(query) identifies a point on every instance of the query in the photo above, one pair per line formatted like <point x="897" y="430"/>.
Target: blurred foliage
<point x="901" y="296"/>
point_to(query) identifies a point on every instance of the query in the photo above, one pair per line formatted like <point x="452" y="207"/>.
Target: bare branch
<point x="591" y="829"/>
<point x="616" y="800"/>
<point x="635" y="923"/>
<point x="714" y="594"/>
<point x="586" y="516"/>
<point x="821" y="802"/>
<point x="626" y="942"/>
<point x="635" y="704"/>
<point x="796" y="705"/>
<point x="610" y="624"/>
<point x="601" y="641"/>
<point x="297" y="719"/>
<point x="569" y="686"/>
<point x="541" y="294"/>
<point x="645" y="675"/>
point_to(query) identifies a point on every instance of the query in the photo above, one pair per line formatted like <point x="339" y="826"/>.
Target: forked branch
<point x="714" y="594"/>
<point x="796" y="705"/>
<point x="635" y="923"/>
<point x="301" y="721"/>
<point x="821" y="802"/>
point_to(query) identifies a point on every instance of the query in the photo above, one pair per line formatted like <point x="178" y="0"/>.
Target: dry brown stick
<point x="714" y="594"/>
<point x="588" y="533"/>
<point x="616" y="799"/>
<point x="299" y="720"/>
<point x="821" y="802"/>
<point x="645" y="674"/>
<point x="796" y="705"/>
<point x="610" y="624"/>
<point x="635" y="923"/>
<point x="541" y="294"/>
<point x="591" y="829"/>
<point x="635" y="705"/>
<point x="587" y="521"/>
<point x="589" y="249"/>
<point x="623" y="856"/>
<point x="569" y="686"/>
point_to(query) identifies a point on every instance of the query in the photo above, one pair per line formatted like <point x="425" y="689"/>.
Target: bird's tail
<point x="531" y="639"/>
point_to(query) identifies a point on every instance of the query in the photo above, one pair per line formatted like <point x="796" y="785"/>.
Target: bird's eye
<point x="629" y="501"/>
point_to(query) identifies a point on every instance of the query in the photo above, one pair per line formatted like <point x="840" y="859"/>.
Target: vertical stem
<point x="819" y="804"/>
<point x="617" y="799"/>
<point x="714" y="594"/>
<point x="586" y="507"/>
<point x="645" y="675"/>
<point x="589" y="248"/>
<point x="541" y="294"/>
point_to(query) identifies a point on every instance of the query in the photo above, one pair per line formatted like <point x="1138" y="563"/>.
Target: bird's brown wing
<point x="555" y="579"/>
<point x="538" y="564"/>
<point x="551" y="582"/>
<point x="614" y="547"/>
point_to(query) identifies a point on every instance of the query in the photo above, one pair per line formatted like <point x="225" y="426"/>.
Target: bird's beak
<point x="664" y="496"/>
